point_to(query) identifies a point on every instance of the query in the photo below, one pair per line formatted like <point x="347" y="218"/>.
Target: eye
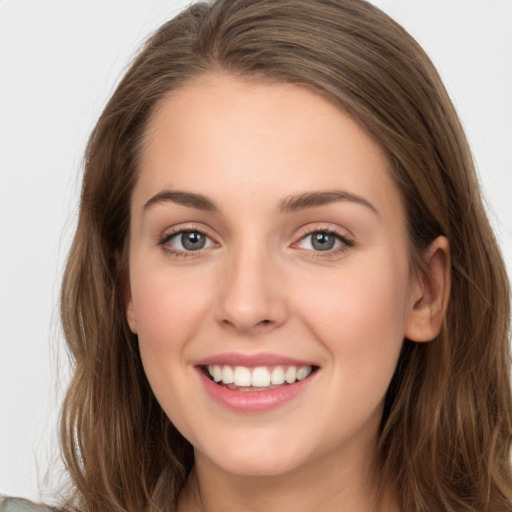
<point x="322" y="241"/>
<point x="186" y="241"/>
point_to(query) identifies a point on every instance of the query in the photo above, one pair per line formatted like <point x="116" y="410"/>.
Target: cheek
<point x="167" y="312"/>
<point x="360" y="315"/>
<point x="167" y="309"/>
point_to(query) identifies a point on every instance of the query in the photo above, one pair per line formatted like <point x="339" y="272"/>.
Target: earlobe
<point x="121" y="260"/>
<point x="430" y="294"/>
<point x="131" y="317"/>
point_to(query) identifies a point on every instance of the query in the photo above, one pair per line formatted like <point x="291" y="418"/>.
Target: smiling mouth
<point x="259" y="378"/>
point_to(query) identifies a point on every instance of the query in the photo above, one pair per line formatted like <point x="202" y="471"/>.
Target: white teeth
<point x="227" y="375"/>
<point x="291" y="375"/>
<point x="260" y="376"/>
<point x="277" y="376"/>
<point x="303" y="372"/>
<point x="242" y="376"/>
<point x="217" y="373"/>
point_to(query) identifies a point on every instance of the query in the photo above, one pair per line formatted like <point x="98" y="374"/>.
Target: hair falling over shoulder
<point x="445" y="436"/>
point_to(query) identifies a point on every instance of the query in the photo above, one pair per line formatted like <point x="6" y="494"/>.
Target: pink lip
<point x="251" y="360"/>
<point x="253" y="401"/>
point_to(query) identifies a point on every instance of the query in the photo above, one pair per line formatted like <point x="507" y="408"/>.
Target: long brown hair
<point x="445" y="436"/>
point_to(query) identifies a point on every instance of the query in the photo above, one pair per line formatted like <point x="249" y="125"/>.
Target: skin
<point x="260" y="286"/>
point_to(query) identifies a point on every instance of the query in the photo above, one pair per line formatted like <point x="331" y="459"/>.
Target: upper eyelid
<point x="173" y="231"/>
<point x="342" y="238"/>
<point x="324" y="227"/>
<point x="173" y="234"/>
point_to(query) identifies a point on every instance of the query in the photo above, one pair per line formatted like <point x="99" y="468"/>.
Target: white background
<point x="59" y="62"/>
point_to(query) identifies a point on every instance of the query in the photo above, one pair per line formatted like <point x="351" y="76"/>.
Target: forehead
<point x="259" y="140"/>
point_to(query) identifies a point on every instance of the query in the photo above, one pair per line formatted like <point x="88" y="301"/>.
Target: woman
<point x="282" y="269"/>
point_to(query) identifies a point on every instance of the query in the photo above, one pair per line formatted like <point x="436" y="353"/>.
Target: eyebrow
<point x="321" y="198"/>
<point x="197" y="201"/>
<point x="288" y="205"/>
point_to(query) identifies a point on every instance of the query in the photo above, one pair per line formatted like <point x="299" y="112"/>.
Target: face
<point x="268" y="252"/>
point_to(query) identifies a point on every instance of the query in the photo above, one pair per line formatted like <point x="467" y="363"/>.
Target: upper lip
<point x="252" y="360"/>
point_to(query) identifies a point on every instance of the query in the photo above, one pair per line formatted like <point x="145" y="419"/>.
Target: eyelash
<point x="178" y="253"/>
<point x="346" y="243"/>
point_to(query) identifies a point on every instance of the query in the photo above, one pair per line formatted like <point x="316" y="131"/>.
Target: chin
<point x="258" y="460"/>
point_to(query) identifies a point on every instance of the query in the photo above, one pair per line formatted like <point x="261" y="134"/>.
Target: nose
<point x="252" y="298"/>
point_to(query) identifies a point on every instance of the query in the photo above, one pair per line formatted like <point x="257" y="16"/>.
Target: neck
<point x="341" y="488"/>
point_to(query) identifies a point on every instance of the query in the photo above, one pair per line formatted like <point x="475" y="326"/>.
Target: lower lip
<point x="253" y="401"/>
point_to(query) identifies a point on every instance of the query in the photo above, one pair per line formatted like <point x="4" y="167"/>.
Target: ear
<point x="430" y="292"/>
<point x="131" y="317"/>
<point x="123" y="269"/>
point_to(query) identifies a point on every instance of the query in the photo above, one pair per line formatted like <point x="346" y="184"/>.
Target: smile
<point x="243" y="378"/>
<point x="257" y="383"/>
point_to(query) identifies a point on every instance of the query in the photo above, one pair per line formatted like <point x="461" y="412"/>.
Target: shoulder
<point x="8" y="504"/>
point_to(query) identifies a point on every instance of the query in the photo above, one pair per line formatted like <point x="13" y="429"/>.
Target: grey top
<point x="8" y="504"/>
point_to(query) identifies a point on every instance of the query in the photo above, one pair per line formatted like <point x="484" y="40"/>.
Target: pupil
<point x="192" y="240"/>
<point x="323" y="241"/>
